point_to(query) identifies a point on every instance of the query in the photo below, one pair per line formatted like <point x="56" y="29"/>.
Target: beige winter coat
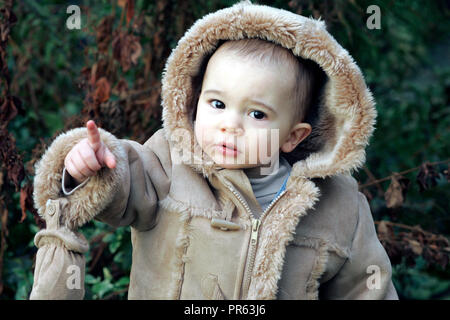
<point x="193" y="225"/>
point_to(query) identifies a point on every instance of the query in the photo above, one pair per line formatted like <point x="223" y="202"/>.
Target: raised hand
<point x="89" y="155"/>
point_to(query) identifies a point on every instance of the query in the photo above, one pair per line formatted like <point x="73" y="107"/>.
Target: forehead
<point x="230" y="71"/>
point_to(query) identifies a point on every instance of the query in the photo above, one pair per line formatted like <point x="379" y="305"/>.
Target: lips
<point x="227" y="148"/>
<point x="230" y="146"/>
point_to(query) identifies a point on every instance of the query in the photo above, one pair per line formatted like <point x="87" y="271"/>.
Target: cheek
<point x="266" y="140"/>
<point x="199" y="131"/>
<point x="283" y="136"/>
<point x="203" y="129"/>
<point x="202" y="125"/>
<point x="203" y="117"/>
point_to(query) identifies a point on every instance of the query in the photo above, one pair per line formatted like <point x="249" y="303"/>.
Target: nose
<point x="231" y="123"/>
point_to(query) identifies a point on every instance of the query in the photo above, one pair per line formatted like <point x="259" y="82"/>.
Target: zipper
<point x="256" y="223"/>
<point x="239" y="197"/>
<point x="250" y="257"/>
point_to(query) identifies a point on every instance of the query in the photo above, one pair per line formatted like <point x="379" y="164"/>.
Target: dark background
<point x="53" y="79"/>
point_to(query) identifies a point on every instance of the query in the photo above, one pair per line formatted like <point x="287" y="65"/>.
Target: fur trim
<point x="323" y="248"/>
<point x="90" y="200"/>
<point x="182" y="243"/>
<point x="276" y="232"/>
<point x="312" y="285"/>
<point x="348" y="106"/>
<point x="315" y="243"/>
<point x="173" y="205"/>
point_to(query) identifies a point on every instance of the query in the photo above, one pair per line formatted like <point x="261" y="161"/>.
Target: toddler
<point x="246" y="192"/>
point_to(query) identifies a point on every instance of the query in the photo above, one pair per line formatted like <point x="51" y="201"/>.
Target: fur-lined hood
<point x="346" y="109"/>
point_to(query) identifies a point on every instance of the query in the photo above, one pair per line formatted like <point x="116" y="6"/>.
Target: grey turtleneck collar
<point x="266" y="187"/>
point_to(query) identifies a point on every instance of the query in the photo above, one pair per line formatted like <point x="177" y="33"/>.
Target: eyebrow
<point x="251" y="100"/>
<point x="213" y="91"/>
<point x="263" y="104"/>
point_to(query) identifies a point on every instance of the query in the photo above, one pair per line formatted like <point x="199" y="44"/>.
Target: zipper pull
<point x="255" y="230"/>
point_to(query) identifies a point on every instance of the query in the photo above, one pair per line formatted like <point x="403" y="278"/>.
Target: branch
<point x="401" y="173"/>
<point x="404" y="226"/>
<point x="134" y="95"/>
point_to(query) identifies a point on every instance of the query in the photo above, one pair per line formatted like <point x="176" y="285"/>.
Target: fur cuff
<point x="92" y="198"/>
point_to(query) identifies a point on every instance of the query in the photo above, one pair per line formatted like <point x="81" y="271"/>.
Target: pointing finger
<point x="93" y="135"/>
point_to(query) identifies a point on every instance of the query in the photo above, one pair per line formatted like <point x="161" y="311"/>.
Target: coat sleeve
<point x="60" y="262"/>
<point x="125" y="195"/>
<point x="366" y="274"/>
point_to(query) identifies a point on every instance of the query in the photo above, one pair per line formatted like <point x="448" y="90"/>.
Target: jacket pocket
<point x="210" y="287"/>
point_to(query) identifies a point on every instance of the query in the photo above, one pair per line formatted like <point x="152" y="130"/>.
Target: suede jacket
<point x="194" y="229"/>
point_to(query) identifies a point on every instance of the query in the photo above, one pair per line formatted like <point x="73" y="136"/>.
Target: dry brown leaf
<point x="136" y="51"/>
<point x="130" y="11"/>
<point x="415" y="246"/>
<point x="126" y="49"/>
<point x="93" y="77"/>
<point x="104" y="33"/>
<point x="121" y="88"/>
<point x="102" y="90"/>
<point x="23" y="206"/>
<point x="395" y="194"/>
<point x="434" y="247"/>
<point x="383" y="229"/>
<point x="4" y="220"/>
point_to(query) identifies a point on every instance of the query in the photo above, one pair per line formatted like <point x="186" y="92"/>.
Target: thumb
<point x="109" y="159"/>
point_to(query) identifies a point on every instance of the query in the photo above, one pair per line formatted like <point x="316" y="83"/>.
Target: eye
<point x="259" y="115"/>
<point x="217" y="104"/>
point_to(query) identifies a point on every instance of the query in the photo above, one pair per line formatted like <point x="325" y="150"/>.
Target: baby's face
<point x="245" y="110"/>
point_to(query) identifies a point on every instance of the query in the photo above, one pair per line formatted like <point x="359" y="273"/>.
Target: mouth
<point x="227" y="149"/>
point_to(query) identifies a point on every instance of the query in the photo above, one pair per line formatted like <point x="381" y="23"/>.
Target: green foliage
<point x="18" y="275"/>
<point x="101" y="288"/>
<point x="405" y="64"/>
<point x="420" y="282"/>
<point x="113" y="280"/>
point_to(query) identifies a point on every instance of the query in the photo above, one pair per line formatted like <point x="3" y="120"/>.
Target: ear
<point x="298" y="133"/>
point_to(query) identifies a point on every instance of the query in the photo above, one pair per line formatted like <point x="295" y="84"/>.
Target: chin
<point x="235" y="166"/>
<point x="228" y="166"/>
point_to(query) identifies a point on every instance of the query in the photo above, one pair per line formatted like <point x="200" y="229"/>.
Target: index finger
<point x="93" y="135"/>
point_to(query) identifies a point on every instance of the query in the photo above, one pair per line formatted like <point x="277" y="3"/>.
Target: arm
<point x="125" y="195"/>
<point x="366" y="274"/>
